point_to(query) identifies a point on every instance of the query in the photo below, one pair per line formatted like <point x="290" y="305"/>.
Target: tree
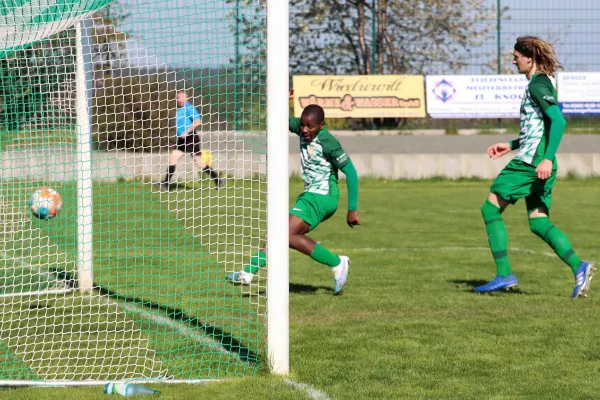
<point x="32" y="83"/>
<point x="109" y="48"/>
<point x="411" y="36"/>
<point x="347" y="37"/>
<point x="37" y="82"/>
<point x="249" y="27"/>
<point x="134" y="113"/>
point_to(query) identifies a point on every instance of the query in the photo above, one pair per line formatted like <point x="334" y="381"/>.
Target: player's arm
<point x="196" y="120"/>
<point x="294" y="122"/>
<point x="543" y="95"/>
<point x="195" y="123"/>
<point x="557" y="130"/>
<point x="352" y="182"/>
<point x="295" y="125"/>
<point x="499" y="149"/>
<point x="339" y="159"/>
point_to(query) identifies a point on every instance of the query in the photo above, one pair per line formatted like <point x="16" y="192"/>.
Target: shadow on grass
<point x="473" y="283"/>
<point x="227" y="341"/>
<point x="300" y="288"/>
<point x="297" y="288"/>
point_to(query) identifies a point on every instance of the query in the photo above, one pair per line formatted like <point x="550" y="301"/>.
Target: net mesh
<point x="160" y="306"/>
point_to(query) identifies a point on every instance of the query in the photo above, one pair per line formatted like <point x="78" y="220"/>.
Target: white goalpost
<point x="278" y="186"/>
<point x="84" y="92"/>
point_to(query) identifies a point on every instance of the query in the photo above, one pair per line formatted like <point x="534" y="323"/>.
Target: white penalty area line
<point x="59" y="285"/>
<point x="177" y="326"/>
<point x="434" y="249"/>
<point x="168" y="322"/>
<point x="310" y="391"/>
<point x="38" y="293"/>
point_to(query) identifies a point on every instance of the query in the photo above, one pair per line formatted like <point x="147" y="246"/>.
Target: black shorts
<point x="191" y="144"/>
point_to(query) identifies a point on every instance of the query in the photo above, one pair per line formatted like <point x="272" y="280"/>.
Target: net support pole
<point x="278" y="331"/>
<point x="83" y="77"/>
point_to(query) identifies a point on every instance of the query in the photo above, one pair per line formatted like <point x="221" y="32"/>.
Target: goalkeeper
<point x="322" y="156"/>
<point x="187" y="119"/>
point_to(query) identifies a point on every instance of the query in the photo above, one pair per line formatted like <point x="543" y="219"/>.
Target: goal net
<point x="128" y="281"/>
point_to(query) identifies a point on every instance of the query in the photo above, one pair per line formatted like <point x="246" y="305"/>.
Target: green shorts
<point x="314" y="208"/>
<point x="519" y="180"/>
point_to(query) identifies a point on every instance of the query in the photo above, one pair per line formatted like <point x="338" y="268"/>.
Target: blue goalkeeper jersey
<point x="185" y="117"/>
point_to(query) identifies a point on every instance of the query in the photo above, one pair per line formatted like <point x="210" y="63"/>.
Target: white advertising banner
<point x="474" y="96"/>
<point x="579" y="92"/>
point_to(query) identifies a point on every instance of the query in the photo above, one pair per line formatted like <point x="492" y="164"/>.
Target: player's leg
<point x="308" y="212"/>
<point x="173" y="160"/>
<point x="492" y="211"/>
<point x="257" y="261"/>
<point x="207" y="169"/>
<point x="299" y="241"/>
<point x="298" y="228"/>
<point x="304" y="244"/>
<point x="511" y="184"/>
<point x="194" y="148"/>
<point x="538" y="207"/>
<point x="498" y="241"/>
<point x="245" y="276"/>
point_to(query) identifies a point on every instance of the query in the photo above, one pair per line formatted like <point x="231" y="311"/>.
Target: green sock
<point x="257" y="261"/>
<point x="324" y="256"/>
<point x="497" y="237"/>
<point x="555" y="239"/>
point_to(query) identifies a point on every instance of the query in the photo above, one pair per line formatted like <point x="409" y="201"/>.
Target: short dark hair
<point x="315" y="112"/>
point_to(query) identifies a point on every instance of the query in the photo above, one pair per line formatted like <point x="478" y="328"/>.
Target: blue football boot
<point x="583" y="276"/>
<point x="499" y="283"/>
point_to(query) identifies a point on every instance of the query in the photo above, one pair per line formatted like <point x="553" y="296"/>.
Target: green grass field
<point x="407" y="326"/>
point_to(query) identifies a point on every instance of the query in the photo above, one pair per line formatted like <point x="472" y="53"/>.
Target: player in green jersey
<point x="321" y="157"/>
<point x="532" y="173"/>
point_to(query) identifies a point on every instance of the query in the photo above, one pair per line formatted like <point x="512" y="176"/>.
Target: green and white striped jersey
<point x="321" y="159"/>
<point x="535" y="125"/>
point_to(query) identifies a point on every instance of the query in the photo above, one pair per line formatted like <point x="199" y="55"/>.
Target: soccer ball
<point x="206" y="157"/>
<point x="45" y="203"/>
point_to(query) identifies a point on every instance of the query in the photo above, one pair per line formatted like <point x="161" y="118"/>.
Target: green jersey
<point x="535" y="125"/>
<point x="321" y="159"/>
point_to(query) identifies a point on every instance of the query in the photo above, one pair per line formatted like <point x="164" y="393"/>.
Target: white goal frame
<point x="278" y="331"/>
<point x="84" y="87"/>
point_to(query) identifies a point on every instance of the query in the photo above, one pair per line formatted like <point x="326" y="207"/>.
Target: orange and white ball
<point x="45" y="203"/>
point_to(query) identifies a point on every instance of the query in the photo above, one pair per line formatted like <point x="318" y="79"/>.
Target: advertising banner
<point x="361" y="96"/>
<point x="474" y="96"/>
<point x="579" y="92"/>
